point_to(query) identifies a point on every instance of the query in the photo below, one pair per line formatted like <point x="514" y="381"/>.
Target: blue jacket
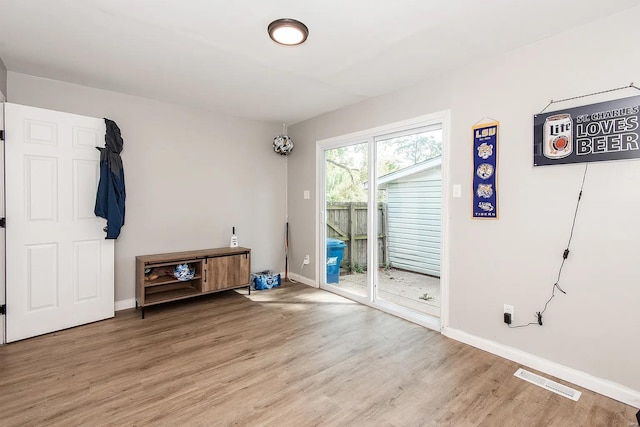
<point x="111" y="191"/>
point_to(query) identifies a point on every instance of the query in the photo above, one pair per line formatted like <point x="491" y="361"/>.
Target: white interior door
<point x="59" y="267"/>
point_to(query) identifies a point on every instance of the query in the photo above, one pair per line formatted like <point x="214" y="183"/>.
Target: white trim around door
<point x="442" y="118"/>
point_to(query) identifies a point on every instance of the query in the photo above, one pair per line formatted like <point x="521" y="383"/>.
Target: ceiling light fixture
<point x="288" y="32"/>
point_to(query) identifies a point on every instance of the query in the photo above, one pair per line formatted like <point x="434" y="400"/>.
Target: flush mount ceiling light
<point x="288" y="32"/>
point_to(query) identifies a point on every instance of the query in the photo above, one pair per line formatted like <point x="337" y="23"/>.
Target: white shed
<point x="414" y="216"/>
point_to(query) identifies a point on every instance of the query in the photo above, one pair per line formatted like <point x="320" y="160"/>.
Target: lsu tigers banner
<point x="591" y="133"/>
<point x="485" y="168"/>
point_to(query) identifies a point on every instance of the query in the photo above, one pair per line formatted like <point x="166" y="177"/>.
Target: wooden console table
<point x="215" y="270"/>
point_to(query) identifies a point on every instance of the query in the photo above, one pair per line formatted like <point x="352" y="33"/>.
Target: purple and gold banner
<point x="485" y="168"/>
<point x="591" y="133"/>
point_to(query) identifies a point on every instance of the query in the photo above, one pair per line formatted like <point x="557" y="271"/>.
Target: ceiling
<point x="216" y="55"/>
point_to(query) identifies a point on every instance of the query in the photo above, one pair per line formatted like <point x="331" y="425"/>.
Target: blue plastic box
<point x="265" y="280"/>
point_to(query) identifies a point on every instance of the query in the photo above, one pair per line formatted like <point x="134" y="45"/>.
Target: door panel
<point x="40" y="132"/>
<point x="86" y="264"/>
<point x="347" y="260"/>
<point x="41" y="186"/>
<point x="217" y="269"/>
<point x="59" y="265"/>
<point x="408" y="181"/>
<point x="42" y="276"/>
<point x="85" y="174"/>
<point x="227" y="272"/>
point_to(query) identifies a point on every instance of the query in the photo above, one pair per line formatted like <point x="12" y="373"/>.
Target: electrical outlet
<point x="306" y="259"/>
<point x="507" y="318"/>
<point x="509" y="309"/>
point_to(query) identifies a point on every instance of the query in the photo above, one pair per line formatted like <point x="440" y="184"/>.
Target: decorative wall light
<point x="282" y="144"/>
<point x="288" y="32"/>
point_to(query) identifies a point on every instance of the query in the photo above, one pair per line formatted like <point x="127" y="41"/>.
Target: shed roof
<point x="410" y="170"/>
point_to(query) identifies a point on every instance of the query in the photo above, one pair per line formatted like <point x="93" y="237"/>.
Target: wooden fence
<point x="347" y="221"/>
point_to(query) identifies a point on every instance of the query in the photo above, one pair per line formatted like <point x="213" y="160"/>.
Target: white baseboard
<point x="125" y="304"/>
<point x="599" y="385"/>
<point x="298" y="278"/>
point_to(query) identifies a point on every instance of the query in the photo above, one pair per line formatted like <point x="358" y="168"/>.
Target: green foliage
<point x="346" y="171"/>
<point x="357" y="268"/>
<point x="347" y="167"/>
<point x="411" y="149"/>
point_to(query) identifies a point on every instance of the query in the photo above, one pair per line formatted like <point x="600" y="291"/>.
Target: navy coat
<point x="111" y="191"/>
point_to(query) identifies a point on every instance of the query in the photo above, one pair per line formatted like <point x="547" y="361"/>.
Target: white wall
<point x="515" y="260"/>
<point x="190" y="175"/>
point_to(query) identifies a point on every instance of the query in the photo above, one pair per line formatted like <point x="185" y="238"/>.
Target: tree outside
<point x="347" y="167"/>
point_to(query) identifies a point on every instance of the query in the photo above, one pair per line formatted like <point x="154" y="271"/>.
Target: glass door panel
<point x="409" y="181"/>
<point x="346" y="214"/>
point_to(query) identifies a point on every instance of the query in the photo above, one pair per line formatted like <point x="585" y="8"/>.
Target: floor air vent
<point x="548" y="384"/>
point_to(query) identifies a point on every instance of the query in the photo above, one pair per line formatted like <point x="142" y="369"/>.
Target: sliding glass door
<point x="382" y="209"/>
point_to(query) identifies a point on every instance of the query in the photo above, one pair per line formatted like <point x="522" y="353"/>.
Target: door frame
<point x="3" y="249"/>
<point x="442" y="117"/>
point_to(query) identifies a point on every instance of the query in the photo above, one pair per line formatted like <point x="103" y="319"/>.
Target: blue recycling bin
<point x="335" y="252"/>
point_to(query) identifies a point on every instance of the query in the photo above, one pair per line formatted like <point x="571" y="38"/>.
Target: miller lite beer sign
<point x="596" y="132"/>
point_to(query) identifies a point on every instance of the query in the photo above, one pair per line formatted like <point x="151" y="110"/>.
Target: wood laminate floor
<point x="293" y="356"/>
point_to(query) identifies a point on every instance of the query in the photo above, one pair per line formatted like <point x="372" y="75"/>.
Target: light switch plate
<point x="457" y="190"/>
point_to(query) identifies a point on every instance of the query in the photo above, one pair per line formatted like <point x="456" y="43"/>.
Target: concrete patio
<point x="417" y="292"/>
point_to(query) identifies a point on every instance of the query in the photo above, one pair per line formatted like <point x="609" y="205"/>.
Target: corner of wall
<point x="301" y="279"/>
<point x="3" y="81"/>
<point x="125" y="304"/>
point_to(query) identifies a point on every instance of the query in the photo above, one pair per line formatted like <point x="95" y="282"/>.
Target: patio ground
<point x="414" y="291"/>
